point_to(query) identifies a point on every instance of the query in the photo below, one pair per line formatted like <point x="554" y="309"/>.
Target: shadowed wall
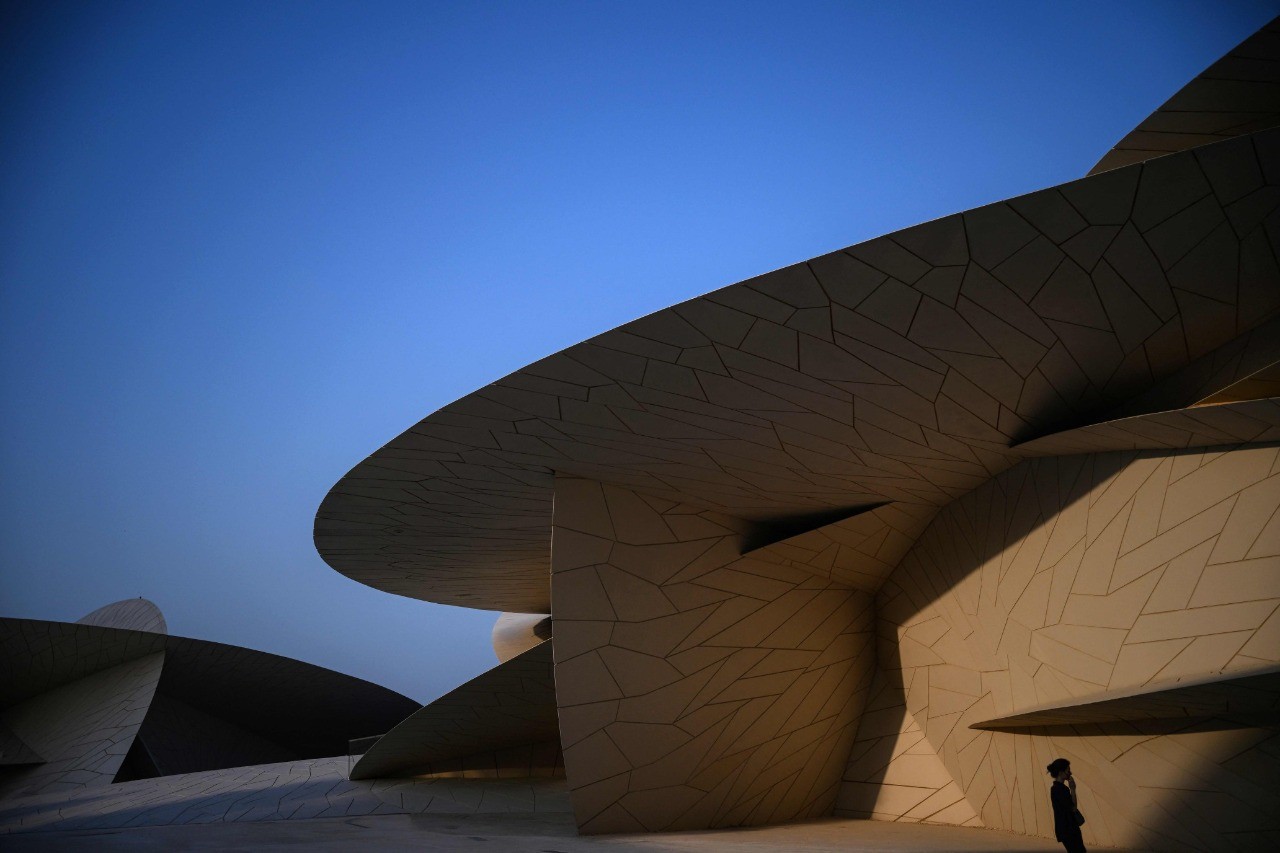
<point x="1063" y="581"/>
<point x="696" y="688"/>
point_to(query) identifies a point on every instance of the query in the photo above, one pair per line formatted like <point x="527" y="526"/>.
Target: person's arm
<point x="1071" y="786"/>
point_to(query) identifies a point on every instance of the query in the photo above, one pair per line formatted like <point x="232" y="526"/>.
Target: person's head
<point x="1060" y="769"/>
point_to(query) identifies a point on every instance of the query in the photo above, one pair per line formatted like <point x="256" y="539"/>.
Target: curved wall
<point x="83" y="729"/>
<point x="1068" y="580"/>
<point x="697" y="687"/>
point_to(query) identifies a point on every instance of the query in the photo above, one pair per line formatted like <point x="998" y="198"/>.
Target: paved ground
<point x="311" y="805"/>
<point x="527" y="833"/>
<point x="307" y="790"/>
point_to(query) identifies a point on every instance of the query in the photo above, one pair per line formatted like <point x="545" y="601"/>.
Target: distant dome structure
<point x="112" y="698"/>
<point x="131" y="614"/>
<point x="514" y="633"/>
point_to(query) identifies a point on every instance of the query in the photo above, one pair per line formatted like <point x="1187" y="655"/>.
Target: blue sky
<point x="245" y="244"/>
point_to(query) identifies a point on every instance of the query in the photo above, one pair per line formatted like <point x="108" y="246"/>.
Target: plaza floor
<point x="526" y="833"/>
<point x="312" y="805"/>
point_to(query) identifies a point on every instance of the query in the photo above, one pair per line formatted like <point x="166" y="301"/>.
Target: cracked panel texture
<point x="697" y="688"/>
<point x="1239" y="93"/>
<point x="64" y="687"/>
<point x="134" y="614"/>
<point x="82" y="729"/>
<point x="1065" y="582"/>
<point x="899" y="371"/>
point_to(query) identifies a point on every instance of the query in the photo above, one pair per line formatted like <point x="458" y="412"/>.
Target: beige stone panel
<point x="590" y="635"/>
<point x="1242" y="536"/>
<point x="585" y="680"/>
<point x="1268" y="542"/>
<point x="1221" y="478"/>
<point x="1098" y="562"/>
<point x="594" y="759"/>
<point x="1145" y="609"/>
<point x="581" y="549"/>
<point x="584" y="596"/>
<point x="1069" y="660"/>
<point x="82" y="729"/>
<point x="1205" y="655"/>
<point x="1139" y="662"/>
<point x="132" y="614"/>
<point x="738" y="707"/>
<point x="881" y="800"/>
<point x="1101" y="643"/>
<point x="1179" y="578"/>
<point x="634" y="599"/>
<point x="1176" y="540"/>
<point x="587" y="719"/>
<point x="1265" y="643"/>
<point x="1199" y="621"/>
<point x="1120" y="609"/>
<point x="659" y="636"/>
<point x="1244" y="580"/>
<point x="1144" y="520"/>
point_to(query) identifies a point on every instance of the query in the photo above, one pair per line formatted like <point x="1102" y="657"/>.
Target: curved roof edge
<point x="896" y="374"/>
<point x="511" y="705"/>
<point x="1237" y="95"/>
<point x="131" y="614"/>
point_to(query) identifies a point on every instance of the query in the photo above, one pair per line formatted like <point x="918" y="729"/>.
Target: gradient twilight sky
<point x="244" y="244"/>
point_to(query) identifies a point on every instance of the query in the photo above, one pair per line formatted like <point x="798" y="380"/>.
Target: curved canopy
<point x="1238" y="94"/>
<point x="136" y="614"/>
<point x="511" y="705"/>
<point x="876" y="383"/>
<point x="307" y="709"/>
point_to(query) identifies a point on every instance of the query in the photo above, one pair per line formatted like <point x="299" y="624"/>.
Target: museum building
<point x="882" y="533"/>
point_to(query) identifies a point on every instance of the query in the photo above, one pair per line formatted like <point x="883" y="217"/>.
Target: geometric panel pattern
<point x="1070" y="580"/>
<point x="1237" y="94"/>
<point x="894" y="773"/>
<point x="697" y="687"/>
<point x="898" y="371"/>
<point x="1249" y="697"/>
<point x="98" y="703"/>
<point x="38" y="656"/>
<point x="1236" y="422"/>
<point x="859" y="551"/>
<point x="132" y="614"/>
<point x="82" y="730"/>
<point x="1209" y="378"/>
<point x="512" y="705"/>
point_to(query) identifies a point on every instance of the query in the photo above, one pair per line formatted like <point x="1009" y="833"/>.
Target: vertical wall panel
<point x="696" y="688"/>
<point x="1076" y="578"/>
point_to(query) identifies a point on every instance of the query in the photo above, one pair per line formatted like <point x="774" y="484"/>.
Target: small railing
<point x="357" y="747"/>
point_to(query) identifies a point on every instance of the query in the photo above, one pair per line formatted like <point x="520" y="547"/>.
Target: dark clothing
<point x="1065" y="826"/>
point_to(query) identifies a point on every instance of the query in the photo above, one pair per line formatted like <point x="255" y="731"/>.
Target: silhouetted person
<point x="1066" y="812"/>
